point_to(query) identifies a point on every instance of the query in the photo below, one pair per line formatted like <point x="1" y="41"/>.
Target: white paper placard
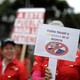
<point x="26" y="25"/>
<point x="64" y="39"/>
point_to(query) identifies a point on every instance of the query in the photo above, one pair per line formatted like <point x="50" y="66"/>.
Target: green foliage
<point x="4" y="7"/>
<point x="67" y="15"/>
<point x="61" y="5"/>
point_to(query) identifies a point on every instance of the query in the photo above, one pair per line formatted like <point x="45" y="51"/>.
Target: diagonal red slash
<point x="61" y="45"/>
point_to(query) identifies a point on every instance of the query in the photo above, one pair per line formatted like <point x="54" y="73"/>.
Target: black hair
<point x="5" y="42"/>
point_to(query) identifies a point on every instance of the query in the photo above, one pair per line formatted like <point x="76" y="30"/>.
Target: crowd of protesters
<point x="33" y="67"/>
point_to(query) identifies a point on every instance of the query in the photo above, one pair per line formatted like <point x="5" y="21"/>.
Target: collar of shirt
<point x="13" y="62"/>
<point x="3" y="66"/>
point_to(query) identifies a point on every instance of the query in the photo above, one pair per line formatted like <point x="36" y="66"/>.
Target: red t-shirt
<point x="14" y="71"/>
<point x="67" y="70"/>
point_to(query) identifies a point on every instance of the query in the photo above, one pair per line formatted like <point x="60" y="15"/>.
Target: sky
<point x="75" y="4"/>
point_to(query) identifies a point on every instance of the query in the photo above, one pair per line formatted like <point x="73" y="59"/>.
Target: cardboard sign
<point x="57" y="42"/>
<point x="26" y="25"/>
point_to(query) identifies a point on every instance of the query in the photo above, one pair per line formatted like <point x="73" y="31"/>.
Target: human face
<point x="18" y="49"/>
<point x="8" y="51"/>
<point x="53" y="44"/>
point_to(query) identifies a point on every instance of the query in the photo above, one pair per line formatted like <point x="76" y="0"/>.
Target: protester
<point x="66" y="70"/>
<point x="30" y="51"/>
<point x="26" y="61"/>
<point x="18" y="48"/>
<point x="10" y="67"/>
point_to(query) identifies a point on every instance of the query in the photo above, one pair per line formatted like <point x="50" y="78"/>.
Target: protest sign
<point x="57" y="42"/>
<point x="26" y="25"/>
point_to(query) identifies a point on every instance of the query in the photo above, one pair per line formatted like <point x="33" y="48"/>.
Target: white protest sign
<point x="52" y="67"/>
<point x="57" y="42"/>
<point x="26" y="25"/>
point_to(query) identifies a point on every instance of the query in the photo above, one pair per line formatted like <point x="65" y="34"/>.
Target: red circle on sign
<point x="56" y="48"/>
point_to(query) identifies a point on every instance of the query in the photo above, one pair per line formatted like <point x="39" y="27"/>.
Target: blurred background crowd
<point x="55" y="9"/>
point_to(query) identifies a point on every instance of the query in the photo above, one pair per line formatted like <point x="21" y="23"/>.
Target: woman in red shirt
<point x="10" y="67"/>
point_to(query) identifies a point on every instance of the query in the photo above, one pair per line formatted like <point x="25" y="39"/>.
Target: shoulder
<point x="18" y="63"/>
<point x="22" y="72"/>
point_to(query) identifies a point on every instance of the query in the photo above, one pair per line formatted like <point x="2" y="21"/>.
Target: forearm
<point x="37" y="76"/>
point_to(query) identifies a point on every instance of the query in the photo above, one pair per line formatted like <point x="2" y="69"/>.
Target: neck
<point x="18" y="57"/>
<point x="7" y="61"/>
